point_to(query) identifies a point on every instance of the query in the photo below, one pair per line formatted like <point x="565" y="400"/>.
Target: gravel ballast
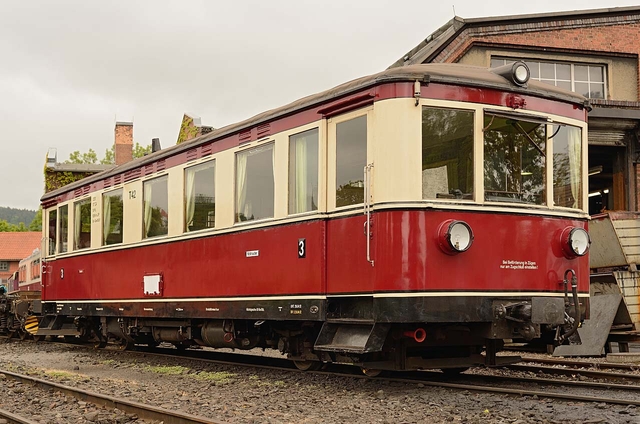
<point x="238" y="394"/>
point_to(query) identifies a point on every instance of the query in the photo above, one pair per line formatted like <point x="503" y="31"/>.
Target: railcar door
<point x="349" y="230"/>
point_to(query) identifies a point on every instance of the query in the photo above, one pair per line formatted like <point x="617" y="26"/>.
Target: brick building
<point x="593" y="52"/>
<point x="14" y="247"/>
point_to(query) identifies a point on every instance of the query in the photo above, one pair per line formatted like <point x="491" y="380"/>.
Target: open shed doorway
<point x="607" y="170"/>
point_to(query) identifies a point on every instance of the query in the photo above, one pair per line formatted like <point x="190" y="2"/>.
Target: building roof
<point x="81" y="167"/>
<point x="431" y="46"/>
<point x="444" y="73"/>
<point x="16" y="246"/>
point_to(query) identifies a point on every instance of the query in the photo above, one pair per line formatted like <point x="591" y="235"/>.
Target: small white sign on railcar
<point x="252" y="253"/>
<point x="152" y="284"/>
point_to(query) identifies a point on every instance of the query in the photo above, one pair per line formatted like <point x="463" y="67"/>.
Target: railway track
<point x="581" y="364"/>
<point x="11" y="418"/>
<point x="472" y="382"/>
<point x="145" y="412"/>
<point x="566" y="390"/>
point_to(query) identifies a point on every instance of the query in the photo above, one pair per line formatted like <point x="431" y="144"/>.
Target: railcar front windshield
<point x="514" y="160"/>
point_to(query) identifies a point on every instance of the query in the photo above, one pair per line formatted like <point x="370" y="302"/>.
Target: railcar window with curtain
<point x="53" y="227"/>
<point x="351" y="158"/>
<point x="514" y="160"/>
<point x="255" y="183"/>
<point x="112" y="217"/>
<point x="82" y="224"/>
<point x="200" y="197"/>
<point x="303" y="172"/>
<point x="567" y="166"/>
<point x="447" y="153"/>
<point x="156" y="207"/>
<point x="64" y="228"/>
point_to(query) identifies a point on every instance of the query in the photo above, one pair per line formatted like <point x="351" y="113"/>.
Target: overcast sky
<point x="69" y="69"/>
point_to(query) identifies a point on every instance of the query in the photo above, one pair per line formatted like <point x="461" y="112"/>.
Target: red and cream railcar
<point x="410" y="219"/>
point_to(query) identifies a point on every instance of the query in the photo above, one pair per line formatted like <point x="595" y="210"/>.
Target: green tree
<point x="77" y="157"/>
<point x="5" y="227"/>
<point x="110" y="155"/>
<point x="36" y="224"/>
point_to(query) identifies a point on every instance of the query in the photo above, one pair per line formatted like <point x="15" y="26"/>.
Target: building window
<point x="303" y="172"/>
<point x="567" y="166"/>
<point x="514" y="160"/>
<point x="64" y="228"/>
<point x="588" y="80"/>
<point x="52" y="229"/>
<point x="351" y="158"/>
<point x="255" y="183"/>
<point x="447" y="153"/>
<point x="82" y="225"/>
<point x="112" y="217"/>
<point x="156" y="207"/>
<point x="4" y="266"/>
<point x="200" y="197"/>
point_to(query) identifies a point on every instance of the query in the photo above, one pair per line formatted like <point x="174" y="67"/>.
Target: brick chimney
<point x="124" y="142"/>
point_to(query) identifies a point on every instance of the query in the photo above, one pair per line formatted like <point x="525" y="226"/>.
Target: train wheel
<point x="308" y="365"/>
<point x="22" y="335"/>
<point x="454" y="371"/>
<point x="371" y="372"/>
<point x="124" y="344"/>
<point x="39" y="338"/>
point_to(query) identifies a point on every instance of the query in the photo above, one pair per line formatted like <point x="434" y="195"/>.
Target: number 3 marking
<point x="302" y="248"/>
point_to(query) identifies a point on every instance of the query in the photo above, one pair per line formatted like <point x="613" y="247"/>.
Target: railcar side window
<point x="447" y="153"/>
<point x="82" y="225"/>
<point x="200" y="197"/>
<point x="156" y="207"/>
<point x="351" y="158"/>
<point x="53" y="226"/>
<point x="303" y="172"/>
<point x="567" y="166"/>
<point x="514" y="160"/>
<point x="112" y="217"/>
<point x="64" y="228"/>
<point x="255" y="183"/>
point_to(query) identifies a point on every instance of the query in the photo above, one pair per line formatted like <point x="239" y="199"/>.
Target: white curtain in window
<point x="78" y="225"/>
<point x="106" y="218"/>
<point x="190" y="177"/>
<point x="147" y="208"/>
<point x="302" y="189"/>
<point x="575" y="163"/>
<point x="241" y="185"/>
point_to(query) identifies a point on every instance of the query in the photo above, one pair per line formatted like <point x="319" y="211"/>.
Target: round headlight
<point x="455" y="236"/>
<point x="575" y="241"/>
<point x="520" y="73"/>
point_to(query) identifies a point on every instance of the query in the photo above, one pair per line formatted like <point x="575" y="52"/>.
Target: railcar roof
<point x="444" y="73"/>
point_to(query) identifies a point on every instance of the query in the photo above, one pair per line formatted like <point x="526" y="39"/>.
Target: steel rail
<point x="581" y="364"/>
<point x="550" y="381"/>
<point x="573" y="371"/>
<point x="12" y="418"/>
<point x="146" y="412"/>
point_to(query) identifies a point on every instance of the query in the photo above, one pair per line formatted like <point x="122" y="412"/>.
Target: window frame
<point x="475" y="111"/>
<point x="4" y="266"/>
<point x="572" y="64"/>
<point x="331" y="167"/>
<point x="202" y="165"/>
<point x="290" y="138"/>
<point x="264" y="145"/>
<point x="152" y="180"/>
<point x="81" y="202"/>
<point x="103" y="241"/>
